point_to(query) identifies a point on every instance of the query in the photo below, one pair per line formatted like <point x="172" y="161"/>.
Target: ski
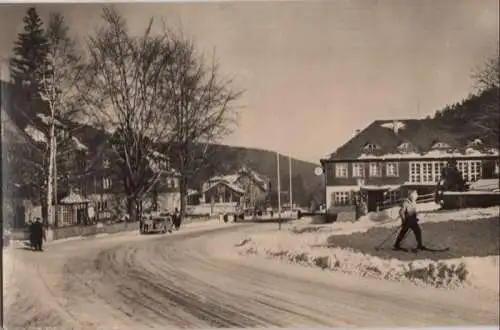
<point x="431" y="250"/>
<point x="400" y="250"/>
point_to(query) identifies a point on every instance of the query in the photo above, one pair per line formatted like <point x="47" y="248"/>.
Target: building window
<point x="392" y="197"/>
<point x="392" y="169"/>
<point x="341" y="198"/>
<point x="430" y="172"/>
<point x="106" y="183"/>
<point x="471" y="170"/>
<point x="358" y="170"/>
<point x="427" y="172"/>
<point x="106" y="163"/>
<point x="438" y="167"/>
<point x="371" y="147"/>
<point x="415" y="173"/>
<point x="341" y="170"/>
<point x="375" y="169"/>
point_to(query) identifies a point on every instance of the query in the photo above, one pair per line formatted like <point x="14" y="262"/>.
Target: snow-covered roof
<point x="74" y="198"/>
<point x="383" y="187"/>
<point x="231" y="178"/>
<point x="436" y="153"/>
<point x="234" y="187"/>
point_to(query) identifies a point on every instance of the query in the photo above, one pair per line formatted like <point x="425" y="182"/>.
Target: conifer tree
<point x="30" y="53"/>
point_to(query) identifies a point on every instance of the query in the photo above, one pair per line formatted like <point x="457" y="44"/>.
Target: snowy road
<point x="180" y="280"/>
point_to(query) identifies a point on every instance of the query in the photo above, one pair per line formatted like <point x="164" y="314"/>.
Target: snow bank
<point x="480" y="273"/>
<point x="304" y="243"/>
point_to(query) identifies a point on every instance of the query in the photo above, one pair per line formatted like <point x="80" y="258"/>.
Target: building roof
<point x="407" y="138"/>
<point x="231" y="180"/>
<point x="231" y="186"/>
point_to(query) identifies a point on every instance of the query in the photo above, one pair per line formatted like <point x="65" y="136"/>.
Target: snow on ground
<point x="389" y="218"/>
<point x="303" y="243"/>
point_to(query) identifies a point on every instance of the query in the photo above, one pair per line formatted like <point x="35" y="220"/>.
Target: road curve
<point x="179" y="281"/>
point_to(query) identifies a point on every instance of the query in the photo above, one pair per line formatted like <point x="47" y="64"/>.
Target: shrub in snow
<point x="244" y="242"/>
<point x="423" y="272"/>
<point x="301" y="230"/>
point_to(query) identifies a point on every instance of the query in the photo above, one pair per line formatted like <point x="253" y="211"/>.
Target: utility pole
<point x="290" y="183"/>
<point x="279" y="189"/>
<point x="56" y="224"/>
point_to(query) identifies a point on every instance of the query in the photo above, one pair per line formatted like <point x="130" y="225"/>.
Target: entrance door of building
<point x="374" y="198"/>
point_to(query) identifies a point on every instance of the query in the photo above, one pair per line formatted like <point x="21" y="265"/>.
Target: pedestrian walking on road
<point x="176" y="219"/>
<point x="408" y="214"/>
<point x="37" y="235"/>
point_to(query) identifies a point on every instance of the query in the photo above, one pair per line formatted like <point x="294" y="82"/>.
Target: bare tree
<point x="59" y="90"/>
<point x="125" y="95"/>
<point x="487" y="80"/>
<point x="201" y="107"/>
<point x="488" y="76"/>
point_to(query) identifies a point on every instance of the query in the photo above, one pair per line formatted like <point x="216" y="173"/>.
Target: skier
<point x="408" y="214"/>
<point x="37" y="235"/>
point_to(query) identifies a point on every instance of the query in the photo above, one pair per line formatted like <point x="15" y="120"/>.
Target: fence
<point x="387" y="204"/>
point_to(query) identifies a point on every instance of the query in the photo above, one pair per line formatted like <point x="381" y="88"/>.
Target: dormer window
<point x="475" y="143"/>
<point x="371" y="147"/>
<point x="440" y="145"/>
<point x="405" y="147"/>
<point x="106" y="163"/>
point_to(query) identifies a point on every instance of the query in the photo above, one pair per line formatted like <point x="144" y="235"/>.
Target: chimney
<point x="356" y="132"/>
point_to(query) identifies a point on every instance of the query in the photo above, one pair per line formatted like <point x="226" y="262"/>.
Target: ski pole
<point x="387" y="238"/>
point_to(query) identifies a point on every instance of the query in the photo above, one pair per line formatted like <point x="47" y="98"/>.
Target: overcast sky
<point x="316" y="71"/>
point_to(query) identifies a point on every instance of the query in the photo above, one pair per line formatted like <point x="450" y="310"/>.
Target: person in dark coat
<point x="37" y="235"/>
<point x="176" y="219"/>
<point x="408" y="214"/>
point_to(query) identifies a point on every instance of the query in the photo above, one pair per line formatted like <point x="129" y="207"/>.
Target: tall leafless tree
<point x="125" y="94"/>
<point x="59" y="89"/>
<point x="201" y="105"/>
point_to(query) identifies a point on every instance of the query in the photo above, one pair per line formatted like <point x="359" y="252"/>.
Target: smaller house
<point x="245" y="188"/>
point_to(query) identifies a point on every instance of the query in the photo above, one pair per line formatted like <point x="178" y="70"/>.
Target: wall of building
<point x="221" y="193"/>
<point x="421" y="175"/>
<point x="253" y="191"/>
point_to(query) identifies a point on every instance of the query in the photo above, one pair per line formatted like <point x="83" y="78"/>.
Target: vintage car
<point x="156" y="223"/>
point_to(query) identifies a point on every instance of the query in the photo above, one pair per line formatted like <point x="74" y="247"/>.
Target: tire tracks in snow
<point x="179" y="281"/>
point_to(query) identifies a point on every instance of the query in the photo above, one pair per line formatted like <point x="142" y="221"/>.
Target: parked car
<point x="156" y="223"/>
